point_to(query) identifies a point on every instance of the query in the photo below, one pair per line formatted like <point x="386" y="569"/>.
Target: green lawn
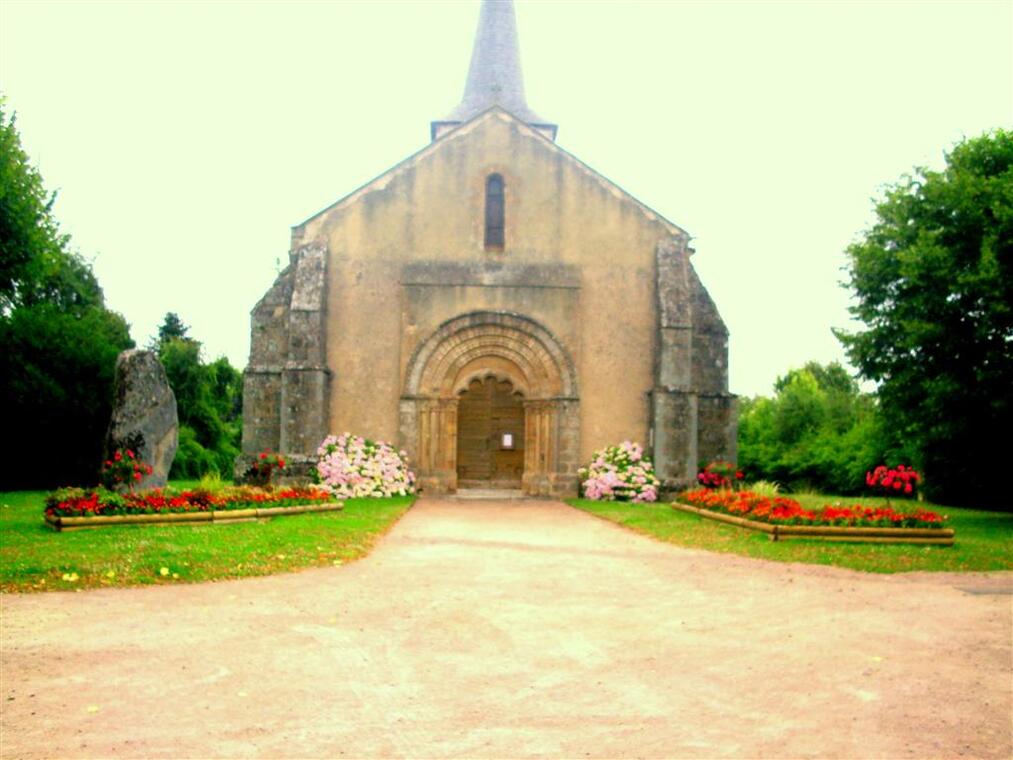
<point x="984" y="540"/>
<point x="33" y="557"/>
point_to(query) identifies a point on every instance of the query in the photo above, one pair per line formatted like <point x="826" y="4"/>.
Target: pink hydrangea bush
<point x="620" y="473"/>
<point x="352" y="466"/>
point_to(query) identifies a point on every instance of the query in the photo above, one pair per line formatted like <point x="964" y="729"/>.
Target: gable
<point x="547" y="189"/>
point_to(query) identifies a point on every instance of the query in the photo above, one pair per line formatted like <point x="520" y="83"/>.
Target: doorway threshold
<point x="498" y="494"/>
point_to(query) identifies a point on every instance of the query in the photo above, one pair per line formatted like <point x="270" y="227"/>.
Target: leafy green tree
<point x="818" y="431"/>
<point x="209" y="404"/>
<point x="933" y="285"/>
<point x="58" y="342"/>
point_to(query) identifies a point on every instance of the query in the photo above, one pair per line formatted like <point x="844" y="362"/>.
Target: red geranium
<point x="893" y="481"/>
<point x="719" y="474"/>
<point x="263" y="466"/>
<point x="124" y="469"/>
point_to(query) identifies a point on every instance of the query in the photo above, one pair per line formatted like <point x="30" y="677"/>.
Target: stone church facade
<point x="493" y="306"/>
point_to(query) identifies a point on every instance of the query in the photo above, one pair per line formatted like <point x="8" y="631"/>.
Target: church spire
<point x="494" y="76"/>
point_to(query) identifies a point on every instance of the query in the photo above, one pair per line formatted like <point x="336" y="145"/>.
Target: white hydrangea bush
<point x="351" y="466"/>
<point x="620" y="473"/>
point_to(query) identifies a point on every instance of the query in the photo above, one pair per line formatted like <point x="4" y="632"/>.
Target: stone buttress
<point x="286" y="385"/>
<point x="693" y="416"/>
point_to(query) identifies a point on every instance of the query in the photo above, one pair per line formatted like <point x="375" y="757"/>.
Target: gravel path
<point x="517" y="629"/>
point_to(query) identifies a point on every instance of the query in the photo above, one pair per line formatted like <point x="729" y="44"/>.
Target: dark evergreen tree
<point x="172" y="327"/>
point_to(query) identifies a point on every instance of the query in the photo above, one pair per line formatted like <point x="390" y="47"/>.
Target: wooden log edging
<point x="189" y="518"/>
<point x="872" y="535"/>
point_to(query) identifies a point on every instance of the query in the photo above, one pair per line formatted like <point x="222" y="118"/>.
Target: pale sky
<point x="186" y="138"/>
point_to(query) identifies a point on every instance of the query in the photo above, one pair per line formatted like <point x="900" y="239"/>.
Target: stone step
<point x="488" y="493"/>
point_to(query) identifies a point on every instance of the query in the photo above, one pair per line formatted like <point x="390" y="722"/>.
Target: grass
<point x="33" y="557"/>
<point x="984" y="540"/>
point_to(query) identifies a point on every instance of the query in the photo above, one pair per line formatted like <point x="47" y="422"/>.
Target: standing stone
<point x="144" y="414"/>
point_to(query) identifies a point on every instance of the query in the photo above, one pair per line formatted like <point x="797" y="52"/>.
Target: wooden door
<point x="490" y="435"/>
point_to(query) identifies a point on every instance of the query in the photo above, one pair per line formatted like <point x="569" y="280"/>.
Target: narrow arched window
<point x="494" y="203"/>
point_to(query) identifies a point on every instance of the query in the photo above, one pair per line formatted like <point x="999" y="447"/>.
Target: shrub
<point x="719" y="474"/>
<point x="893" y="481"/>
<point x="765" y="488"/>
<point x="192" y="459"/>
<point x="263" y="466"/>
<point x="351" y="466"/>
<point x="620" y="473"/>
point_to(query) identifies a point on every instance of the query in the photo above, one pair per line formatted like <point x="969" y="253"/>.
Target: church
<point x="494" y="307"/>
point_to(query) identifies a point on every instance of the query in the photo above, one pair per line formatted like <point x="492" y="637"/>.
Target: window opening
<point x="494" y="203"/>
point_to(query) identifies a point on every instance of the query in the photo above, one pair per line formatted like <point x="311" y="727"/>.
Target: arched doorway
<point x="490" y="435"/>
<point x="497" y="347"/>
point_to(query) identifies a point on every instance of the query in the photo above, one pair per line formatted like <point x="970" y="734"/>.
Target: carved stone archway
<point x="506" y="346"/>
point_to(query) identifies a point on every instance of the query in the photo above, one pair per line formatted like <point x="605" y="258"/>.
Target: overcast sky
<point x="186" y="138"/>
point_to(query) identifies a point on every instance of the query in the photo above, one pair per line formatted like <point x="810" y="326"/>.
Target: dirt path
<point x="499" y="629"/>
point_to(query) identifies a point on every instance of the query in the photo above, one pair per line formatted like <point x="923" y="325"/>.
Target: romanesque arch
<point x="508" y="347"/>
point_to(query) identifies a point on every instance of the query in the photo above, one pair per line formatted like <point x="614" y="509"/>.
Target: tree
<point x="933" y="284"/>
<point x="818" y="431"/>
<point x="172" y="327"/>
<point x="209" y="403"/>
<point x="58" y="342"/>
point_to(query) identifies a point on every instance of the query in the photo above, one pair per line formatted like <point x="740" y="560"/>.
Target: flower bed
<point x="785" y="511"/>
<point x="79" y="502"/>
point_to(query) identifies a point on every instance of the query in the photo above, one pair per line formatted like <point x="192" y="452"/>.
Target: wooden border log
<point x="221" y="515"/>
<point x="272" y="511"/>
<point x="157" y="517"/>
<point x="721" y="517"/>
<point x="61" y="524"/>
<point x="941" y="541"/>
<point x="859" y="530"/>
